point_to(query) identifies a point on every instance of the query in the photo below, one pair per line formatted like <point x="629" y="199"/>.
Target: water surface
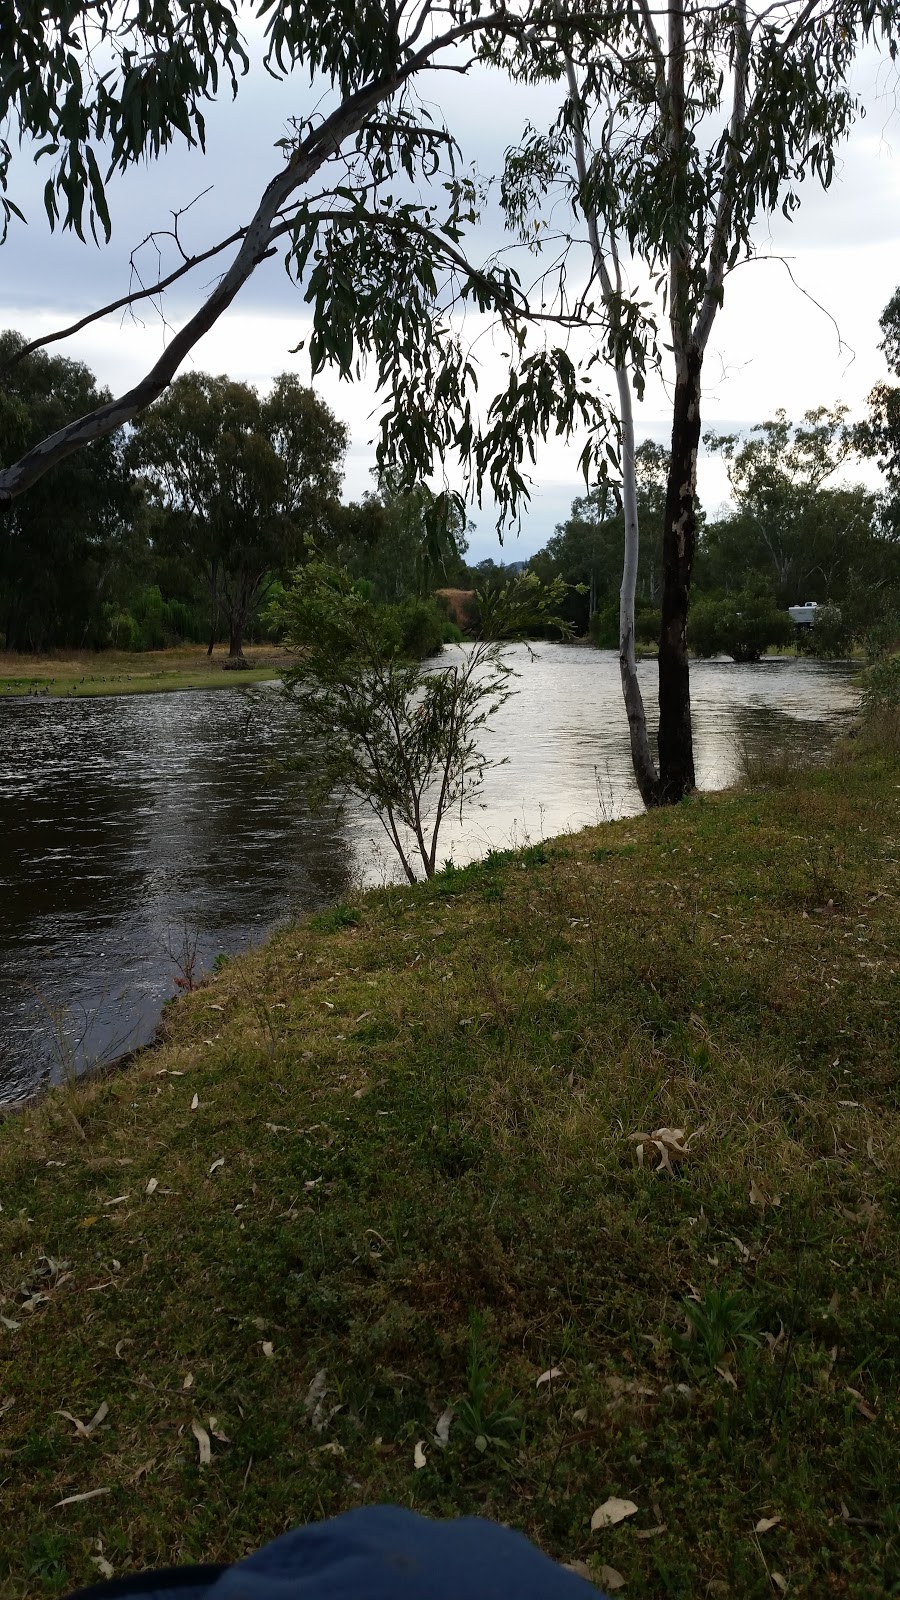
<point x="140" y="834"/>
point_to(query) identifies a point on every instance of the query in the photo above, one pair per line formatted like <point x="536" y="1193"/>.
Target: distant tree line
<point x="796" y="531"/>
<point x="186" y="526"/>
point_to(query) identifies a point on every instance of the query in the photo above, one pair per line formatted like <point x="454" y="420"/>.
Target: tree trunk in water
<point x="676" y="748"/>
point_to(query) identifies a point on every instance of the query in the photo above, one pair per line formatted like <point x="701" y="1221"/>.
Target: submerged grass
<point x="76" y="674"/>
<point x="394" y="1147"/>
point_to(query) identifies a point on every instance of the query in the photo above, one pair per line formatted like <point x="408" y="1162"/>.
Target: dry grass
<point x="79" y="673"/>
<point x="410" y="1164"/>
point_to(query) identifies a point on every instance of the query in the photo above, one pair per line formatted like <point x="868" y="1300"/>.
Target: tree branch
<point x="718" y="250"/>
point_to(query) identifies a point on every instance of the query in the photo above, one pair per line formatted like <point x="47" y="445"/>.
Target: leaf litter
<point x="203" y="1444"/>
<point x="612" y="1511"/>
<point x="86" y="1429"/>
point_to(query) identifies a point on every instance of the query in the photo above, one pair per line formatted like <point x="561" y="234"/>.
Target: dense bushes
<point x="742" y="626"/>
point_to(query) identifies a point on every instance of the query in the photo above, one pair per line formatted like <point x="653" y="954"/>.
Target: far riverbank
<point x="78" y="674"/>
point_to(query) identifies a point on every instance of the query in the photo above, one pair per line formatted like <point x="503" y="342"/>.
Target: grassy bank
<point x="77" y="673"/>
<point x="386" y="1166"/>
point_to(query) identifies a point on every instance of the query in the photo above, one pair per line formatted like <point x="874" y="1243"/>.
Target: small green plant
<point x="489" y="1417"/>
<point x="335" y="918"/>
<point x="371" y="723"/>
<point x="716" y="1323"/>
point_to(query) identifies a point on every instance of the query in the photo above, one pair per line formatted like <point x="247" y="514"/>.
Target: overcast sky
<point x="771" y="345"/>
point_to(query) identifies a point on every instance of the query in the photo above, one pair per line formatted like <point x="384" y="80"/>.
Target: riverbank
<point x="386" y="1166"/>
<point x="75" y="674"/>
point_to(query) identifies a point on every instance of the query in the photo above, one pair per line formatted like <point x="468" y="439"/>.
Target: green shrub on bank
<point x="742" y="626"/>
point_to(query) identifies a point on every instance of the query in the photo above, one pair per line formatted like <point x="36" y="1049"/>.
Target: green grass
<point x="76" y="674"/>
<point x="411" y="1166"/>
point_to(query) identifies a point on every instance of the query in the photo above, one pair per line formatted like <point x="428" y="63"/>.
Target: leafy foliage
<point x="239" y="481"/>
<point x="742" y="626"/>
<point x="59" y="548"/>
<point x="403" y="739"/>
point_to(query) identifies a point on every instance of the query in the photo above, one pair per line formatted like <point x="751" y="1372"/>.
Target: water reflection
<point x="129" y="825"/>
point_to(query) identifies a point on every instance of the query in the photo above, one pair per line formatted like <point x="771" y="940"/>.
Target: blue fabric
<point x="386" y="1553"/>
<point x="379" y="1553"/>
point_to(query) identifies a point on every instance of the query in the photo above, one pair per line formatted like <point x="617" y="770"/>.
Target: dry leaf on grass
<point x="216" y="1164"/>
<point x="611" y="1579"/>
<point x="779" y="1581"/>
<point x="668" y="1143"/>
<point x="195" y="1102"/>
<point x="152" y="1186"/>
<point x="611" y="1512"/>
<point x="76" y="1499"/>
<point x="729" y="1376"/>
<point x="203" y="1445"/>
<point x="419" y="1457"/>
<point x="442" y="1428"/>
<point x="10" y="1324"/>
<point x="85" y="1429"/>
<point x="188" y="1381"/>
<point x="216" y="1431"/>
<point x="548" y="1376"/>
<point x="314" y="1403"/>
<point x="766" y="1523"/>
<point x="268" y="1349"/>
<point x="104" y="1567"/>
<point x="116" y="1200"/>
<point x="862" y="1406"/>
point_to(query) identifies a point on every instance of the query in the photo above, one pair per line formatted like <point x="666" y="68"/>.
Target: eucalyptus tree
<point x="683" y="128"/>
<point x="365" y="198"/>
<point x="242" y="481"/>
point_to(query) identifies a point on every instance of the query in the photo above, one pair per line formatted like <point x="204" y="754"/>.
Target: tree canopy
<point x="240" y="481"/>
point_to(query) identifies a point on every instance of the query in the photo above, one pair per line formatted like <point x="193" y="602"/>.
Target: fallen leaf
<point x="419" y="1457"/>
<point x="216" y="1431"/>
<point x="611" y="1512"/>
<point x="10" y="1324"/>
<point x="216" y="1164"/>
<point x="862" y="1406"/>
<point x="104" y="1567"/>
<point x="765" y="1523"/>
<point x="76" y="1499"/>
<point x="728" y="1376"/>
<point x="268" y="1348"/>
<point x="779" y="1581"/>
<point x="121" y="1346"/>
<point x="549" y="1375"/>
<point x="758" y="1196"/>
<point x="315" y="1395"/>
<point x="442" y="1428"/>
<point x="202" y="1438"/>
<point x="580" y="1569"/>
<point x="580" y="1415"/>
<point x="85" y="1429"/>
<point x="116" y="1200"/>
<point x="668" y="1143"/>
<point x="332" y="1448"/>
<point x="649" y="1533"/>
<point x="611" y="1579"/>
<point x="152" y="1186"/>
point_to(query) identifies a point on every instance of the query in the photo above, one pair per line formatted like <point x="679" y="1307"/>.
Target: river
<point x="142" y="835"/>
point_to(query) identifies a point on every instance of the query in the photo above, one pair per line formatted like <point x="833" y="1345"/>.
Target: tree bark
<point x="676" y="747"/>
<point x="645" y="772"/>
<point x="236" y="624"/>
